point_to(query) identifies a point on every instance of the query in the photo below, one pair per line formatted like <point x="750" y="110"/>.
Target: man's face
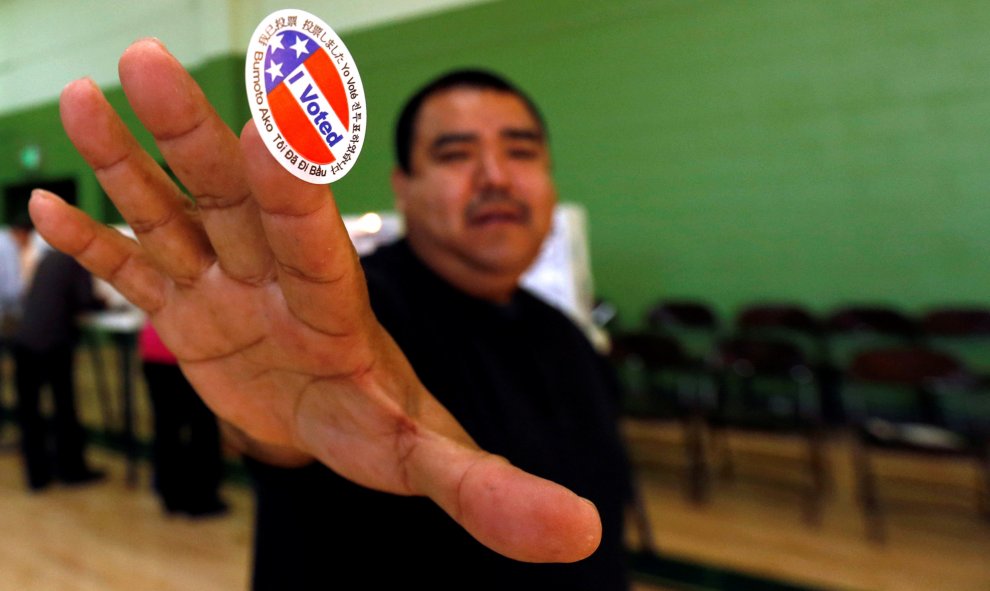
<point x="21" y="236"/>
<point x="480" y="197"/>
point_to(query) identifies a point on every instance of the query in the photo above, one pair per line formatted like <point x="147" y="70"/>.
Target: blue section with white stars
<point x="286" y="52"/>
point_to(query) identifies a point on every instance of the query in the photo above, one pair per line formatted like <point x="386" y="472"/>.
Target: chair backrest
<point x="659" y="379"/>
<point x="872" y="319"/>
<point x="673" y="314"/>
<point x="956" y="322"/>
<point x="760" y="356"/>
<point x="909" y="366"/>
<point x="912" y="385"/>
<point x="783" y="321"/>
<point x="695" y="324"/>
<point x="962" y="331"/>
<point x="853" y="329"/>
<point x="652" y="350"/>
<point x="784" y="316"/>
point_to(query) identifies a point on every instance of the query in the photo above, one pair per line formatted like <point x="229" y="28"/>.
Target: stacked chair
<point x="718" y="381"/>
<point x="664" y="384"/>
<point x="666" y="381"/>
<point x="850" y="330"/>
<point x="962" y="331"/>
<point x="668" y="377"/>
<point x="920" y="393"/>
<point x="768" y="383"/>
<point x="892" y="381"/>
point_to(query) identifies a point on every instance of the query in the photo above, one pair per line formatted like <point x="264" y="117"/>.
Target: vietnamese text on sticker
<point x="306" y="96"/>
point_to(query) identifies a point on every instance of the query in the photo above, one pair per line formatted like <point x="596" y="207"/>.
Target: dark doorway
<point x="15" y="197"/>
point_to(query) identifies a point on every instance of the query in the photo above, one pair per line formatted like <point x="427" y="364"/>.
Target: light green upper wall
<point x="815" y="152"/>
<point x="46" y="43"/>
<point x="807" y="151"/>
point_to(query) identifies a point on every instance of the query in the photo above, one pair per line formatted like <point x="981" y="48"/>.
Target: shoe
<point x="84" y="477"/>
<point x="170" y="507"/>
<point x="209" y="508"/>
<point x="39" y="484"/>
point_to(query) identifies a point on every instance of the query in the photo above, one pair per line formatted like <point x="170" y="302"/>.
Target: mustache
<point x="497" y="202"/>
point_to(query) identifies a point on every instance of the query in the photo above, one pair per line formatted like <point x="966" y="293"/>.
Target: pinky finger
<point x="105" y="252"/>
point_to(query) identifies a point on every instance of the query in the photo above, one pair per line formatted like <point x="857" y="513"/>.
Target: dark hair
<point x="22" y="221"/>
<point x="477" y="79"/>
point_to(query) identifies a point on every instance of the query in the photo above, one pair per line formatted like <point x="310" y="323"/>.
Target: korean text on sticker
<point x="306" y="96"/>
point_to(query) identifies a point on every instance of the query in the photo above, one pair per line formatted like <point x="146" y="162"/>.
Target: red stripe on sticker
<point x="296" y="127"/>
<point x="328" y="79"/>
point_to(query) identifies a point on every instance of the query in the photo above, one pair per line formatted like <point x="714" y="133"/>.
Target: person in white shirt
<point x="17" y="255"/>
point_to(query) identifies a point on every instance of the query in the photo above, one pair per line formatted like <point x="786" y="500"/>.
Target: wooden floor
<point x="937" y="539"/>
<point x="108" y="537"/>
<point x="113" y="537"/>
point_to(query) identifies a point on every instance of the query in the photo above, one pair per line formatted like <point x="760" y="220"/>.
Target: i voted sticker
<point x="306" y="96"/>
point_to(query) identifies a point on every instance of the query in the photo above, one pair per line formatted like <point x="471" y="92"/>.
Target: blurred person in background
<point x="18" y="259"/>
<point x="185" y="453"/>
<point x="44" y="344"/>
<point x="15" y="242"/>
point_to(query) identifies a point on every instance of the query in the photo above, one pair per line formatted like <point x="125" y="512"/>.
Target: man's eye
<point x="452" y="156"/>
<point x="523" y="154"/>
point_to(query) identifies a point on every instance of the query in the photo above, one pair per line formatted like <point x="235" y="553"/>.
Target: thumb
<point x="510" y="511"/>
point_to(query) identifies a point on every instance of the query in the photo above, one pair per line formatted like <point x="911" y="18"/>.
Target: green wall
<point x="820" y="152"/>
<point x="41" y="126"/>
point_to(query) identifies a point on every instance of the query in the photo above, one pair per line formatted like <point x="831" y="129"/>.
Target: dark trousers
<point x="6" y="352"/>
<point x="186" y="454"/>
<point x="5" y="378"/>
<point x="55" y="450"/>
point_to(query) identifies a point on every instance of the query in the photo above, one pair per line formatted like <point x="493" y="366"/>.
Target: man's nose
<point x="492" y="170"/>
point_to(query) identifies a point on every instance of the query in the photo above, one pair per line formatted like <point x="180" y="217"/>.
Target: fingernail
<point x="83" y="80"/>
<point x="43" y="194"/>
<point x="159" y="43"/>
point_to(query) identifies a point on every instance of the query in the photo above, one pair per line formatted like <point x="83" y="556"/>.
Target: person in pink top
<point x="186" y="455"/>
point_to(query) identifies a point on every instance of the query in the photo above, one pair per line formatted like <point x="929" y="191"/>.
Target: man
<point x="14" y="244"/>
<point x="17" y="258"/>
<point x="474" y="187"/>
<point x="261" y="297"/>
<point x="44" y="349"/>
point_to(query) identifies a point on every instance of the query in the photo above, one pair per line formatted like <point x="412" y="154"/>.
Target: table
<point x="122" y="326"/>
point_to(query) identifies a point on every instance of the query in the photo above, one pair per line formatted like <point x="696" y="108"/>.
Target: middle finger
<point x="203" y="152"/>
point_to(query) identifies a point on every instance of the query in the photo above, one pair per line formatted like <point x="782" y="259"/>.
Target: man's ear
<point x="400" y="188"/>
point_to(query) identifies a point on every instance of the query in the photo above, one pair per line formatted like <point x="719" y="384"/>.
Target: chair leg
<point x="819" y="477"/>
<point x="3" y="383"/>
<point x="641" y="518"/>
<point x="984" y="469"/>
<point x="867" y="494"/>
<point x="722" y="454"/>
<point x="8" y="396"/>
<point x="694" y="433"/>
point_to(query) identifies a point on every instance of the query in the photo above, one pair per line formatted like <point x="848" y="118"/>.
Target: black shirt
<point x="524" y="382"/>
<point x="61" y="290"/>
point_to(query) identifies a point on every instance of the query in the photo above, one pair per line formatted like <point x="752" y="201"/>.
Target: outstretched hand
<point x="256" y="288"/>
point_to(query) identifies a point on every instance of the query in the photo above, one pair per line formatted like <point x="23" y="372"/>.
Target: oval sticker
<point x="306" y="96"/>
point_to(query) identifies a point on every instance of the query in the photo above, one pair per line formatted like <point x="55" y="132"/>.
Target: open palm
<point x="257" y="290"/>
